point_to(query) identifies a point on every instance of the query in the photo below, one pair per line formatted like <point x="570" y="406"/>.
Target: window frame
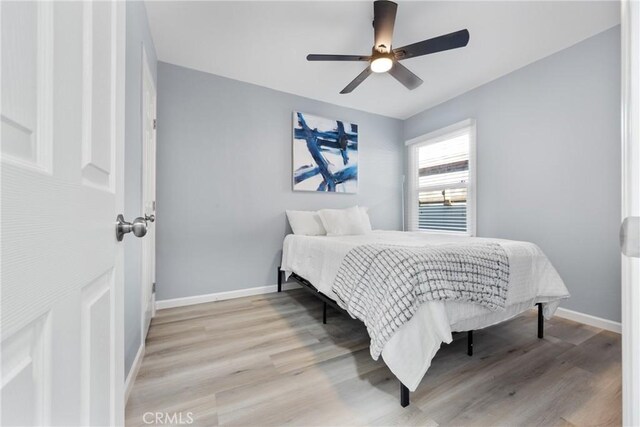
<point x="439" y="135"/>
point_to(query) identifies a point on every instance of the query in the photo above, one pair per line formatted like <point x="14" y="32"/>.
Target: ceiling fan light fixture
<point x="381" y="64"/>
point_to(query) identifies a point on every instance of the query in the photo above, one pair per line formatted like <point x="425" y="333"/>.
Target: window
<point x="441" y="184"/>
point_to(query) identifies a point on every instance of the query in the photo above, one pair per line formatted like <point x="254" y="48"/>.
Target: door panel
<point x="96" y="337"/>
<point x="97" y="88"/>
<point x="62" y="121"/>
<point x="27" y="73"/>
<point x="25" y="386"/>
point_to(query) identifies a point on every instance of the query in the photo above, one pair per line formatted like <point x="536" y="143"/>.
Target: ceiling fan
<point x="384" y="59"/>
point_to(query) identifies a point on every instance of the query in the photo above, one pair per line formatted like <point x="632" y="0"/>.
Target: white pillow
<point x="306" y="223"/>
<point x="345" y="222"/>
<point x="366" y="221"/>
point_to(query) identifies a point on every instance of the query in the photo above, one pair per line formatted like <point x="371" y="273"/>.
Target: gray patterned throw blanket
<point x="384" y="285"/>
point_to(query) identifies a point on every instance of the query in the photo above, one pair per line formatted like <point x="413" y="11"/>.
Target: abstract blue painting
<point x="325" y="154"/>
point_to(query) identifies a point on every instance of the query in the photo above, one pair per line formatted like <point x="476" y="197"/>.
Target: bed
<point x="314" y="261"/>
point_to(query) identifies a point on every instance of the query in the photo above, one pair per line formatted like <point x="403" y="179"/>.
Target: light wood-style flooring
<point x="268" y="360"/>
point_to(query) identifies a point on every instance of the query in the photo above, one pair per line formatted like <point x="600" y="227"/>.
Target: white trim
<point x="133" y="373"/>
<point x="630" y="179"/>
<point x="472" y="185"/>
<point x="587" y="319"/>
<point x="451" y="131"/>
<point x="146" y="68"/>
<point x="147" y="254"/>
<point x="220" y="296"/>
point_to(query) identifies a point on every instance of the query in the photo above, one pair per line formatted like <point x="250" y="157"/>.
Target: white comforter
<point x="408" y="354"/>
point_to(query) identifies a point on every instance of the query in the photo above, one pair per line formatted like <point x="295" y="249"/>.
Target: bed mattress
<point x="532" y="279"/>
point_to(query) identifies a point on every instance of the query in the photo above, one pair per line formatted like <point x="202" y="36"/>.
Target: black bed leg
<point x="470" y="343"/>
<point x="404" y="396"/>
<point x="324" y="312"/>
<point x="540" y="321"/>
<point x="279" y="279"/>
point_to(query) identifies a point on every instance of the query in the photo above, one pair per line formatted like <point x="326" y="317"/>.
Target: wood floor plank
<point x="474" y="383"/>
<point x="267" y="360"/>
<point x="410" y="416"/>
<point x="570" y="331"/>
<point x="325" y="349"/>
<point x="299" y="383"/>
<point x="596" y="354"/>
<point x="604" y="404"/>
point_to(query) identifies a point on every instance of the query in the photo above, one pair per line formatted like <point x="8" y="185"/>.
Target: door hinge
<point x="153" y="288"/>
<point x="155" y="123"/>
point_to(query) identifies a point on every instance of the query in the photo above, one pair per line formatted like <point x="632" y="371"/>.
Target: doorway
<point x="149" y="123"/>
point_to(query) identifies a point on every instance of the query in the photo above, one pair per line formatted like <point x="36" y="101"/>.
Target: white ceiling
<point x="266" y="43"/>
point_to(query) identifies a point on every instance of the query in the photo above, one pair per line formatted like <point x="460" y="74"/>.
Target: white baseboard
<point x="590" y="320"/>
<point x="576" y="316"/>
<point x="220" y="296"/>
<point x="133" y="373"/>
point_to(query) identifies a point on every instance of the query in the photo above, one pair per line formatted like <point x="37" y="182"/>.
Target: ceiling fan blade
<point x="436" y="44"/>
<point x="322" y="57"/>
<point x="356" y="82"/>
<point x="404" y="76"/>
<point x="384" y="18"/>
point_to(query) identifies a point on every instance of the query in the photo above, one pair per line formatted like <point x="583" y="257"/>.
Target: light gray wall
<point x="548" y="147"/>
<point x="138" y="34"/>
<point x="224" y="179"/>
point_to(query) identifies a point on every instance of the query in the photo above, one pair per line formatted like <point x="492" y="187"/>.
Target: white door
<point x="62" y="160"/>
<point x="630" y="232"/>
<point x="148" y="193"/>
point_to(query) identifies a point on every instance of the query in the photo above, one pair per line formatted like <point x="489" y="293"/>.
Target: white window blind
<point x="441" y="187"/>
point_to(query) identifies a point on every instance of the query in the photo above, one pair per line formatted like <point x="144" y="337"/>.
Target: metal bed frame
<point x="404" y="391"/>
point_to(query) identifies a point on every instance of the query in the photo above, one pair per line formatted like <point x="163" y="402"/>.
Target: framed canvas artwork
<point x="325" y="154"/>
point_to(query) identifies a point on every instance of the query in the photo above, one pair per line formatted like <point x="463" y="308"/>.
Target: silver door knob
<point x="138" y="227"/>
